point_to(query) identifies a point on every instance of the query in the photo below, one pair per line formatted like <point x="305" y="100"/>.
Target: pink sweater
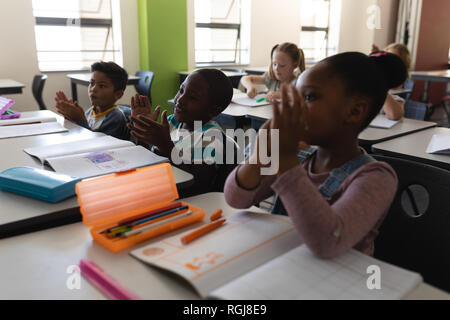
<point x="350" y="220"/>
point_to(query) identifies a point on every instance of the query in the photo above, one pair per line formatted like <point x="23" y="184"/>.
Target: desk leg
<point x="426" y="87"/>
<point x="74" y="91"/>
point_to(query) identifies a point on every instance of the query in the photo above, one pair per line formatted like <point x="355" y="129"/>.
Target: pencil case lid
<point x="124" y="194"/>
<point x="38" y="183"/>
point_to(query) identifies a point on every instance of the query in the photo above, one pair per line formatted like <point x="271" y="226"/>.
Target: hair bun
<point x="391" y="67"/>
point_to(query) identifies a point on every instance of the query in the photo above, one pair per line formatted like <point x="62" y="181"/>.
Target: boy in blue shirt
<point x="188" y="136"/>
<point x="107" y="85"/>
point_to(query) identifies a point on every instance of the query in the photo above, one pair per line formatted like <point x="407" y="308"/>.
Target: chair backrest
<point x="415" y="234"/>
<point x="37" y="88"/>
<point x="143" y="87"/>
<point x="415" y="110"/>
<point x="408" y="84"/>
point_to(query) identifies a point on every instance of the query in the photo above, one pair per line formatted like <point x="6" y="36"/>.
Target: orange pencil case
<point x="106" y="201"/>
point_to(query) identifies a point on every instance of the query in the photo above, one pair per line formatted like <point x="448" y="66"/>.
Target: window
<point x="220" y="37"/>
<point x="320" y="28"/>
<point x="72" y="34"/>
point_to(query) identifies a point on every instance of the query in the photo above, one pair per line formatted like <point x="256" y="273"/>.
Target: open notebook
<point x="260" y="256"/>
<point x="95" y="156"/>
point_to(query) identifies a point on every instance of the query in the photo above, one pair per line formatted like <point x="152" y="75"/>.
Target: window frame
<point x="238" y="56"/>
<point x="78" y="22"/>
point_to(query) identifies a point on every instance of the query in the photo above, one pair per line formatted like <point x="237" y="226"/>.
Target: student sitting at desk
<point x="285" y="59"/>
<point x="203" y="95"/>
<point x="394" y="106"/>
<point x="107" y="85"/>
<point x="336" y="195"/>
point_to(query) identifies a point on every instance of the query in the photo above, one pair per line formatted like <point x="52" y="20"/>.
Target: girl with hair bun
<point x="335" y="193"/>
<point x="394" y="106"/>
<point x="287" y="62"/>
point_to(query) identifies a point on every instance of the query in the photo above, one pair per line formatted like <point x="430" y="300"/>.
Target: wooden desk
<point x="18" y="213"/>
<point x="430" y="76"/>
<point x="8" y="86"/>
<point x="370" y="136"/>
<point x="35" y="265"/>
<point x="413" y="146"/>
<point x="85" y="78"/>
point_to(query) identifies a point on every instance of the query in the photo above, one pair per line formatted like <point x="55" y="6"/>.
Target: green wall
<point x="163" y="45"/>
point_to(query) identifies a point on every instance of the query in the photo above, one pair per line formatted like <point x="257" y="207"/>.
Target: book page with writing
<point x="30" y="129"/>
<point x="440" y="144"/>
<point x="245" y="241"/>
<point x="381" y="121"/>
<point x="298" y="274"/>
<point x="76" y="147"/>
<point x="97" y="163"/>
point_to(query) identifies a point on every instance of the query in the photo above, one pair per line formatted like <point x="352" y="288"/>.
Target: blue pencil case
<point x="38" y="183"/>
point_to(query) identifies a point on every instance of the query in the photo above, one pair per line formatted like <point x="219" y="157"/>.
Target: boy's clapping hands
<point x="69" y="109"/>
<point x="145" y="127"/>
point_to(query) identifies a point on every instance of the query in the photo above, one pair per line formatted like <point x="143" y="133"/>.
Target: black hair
<point x="370" y="76"/>
<point x="220" y="88"/>
<point x="117" y="74"/>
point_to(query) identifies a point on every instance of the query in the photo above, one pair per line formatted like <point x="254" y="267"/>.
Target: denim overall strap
<point x="333" y="182"/>
<point x="338" y="175"/>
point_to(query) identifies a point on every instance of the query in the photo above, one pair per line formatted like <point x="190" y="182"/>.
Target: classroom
<point x="127" y="171"/>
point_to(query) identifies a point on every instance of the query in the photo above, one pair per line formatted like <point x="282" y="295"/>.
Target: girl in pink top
<point x="338" y="196"/>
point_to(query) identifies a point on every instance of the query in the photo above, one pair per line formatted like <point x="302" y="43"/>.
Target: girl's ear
<point x="358" y="112"/>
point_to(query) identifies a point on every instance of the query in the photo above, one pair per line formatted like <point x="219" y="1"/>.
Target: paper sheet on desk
<point x="439" y="144"/>
<point x="244" y="100"/>
<point x="381" y="121"/>
<point x="30" y="129"/>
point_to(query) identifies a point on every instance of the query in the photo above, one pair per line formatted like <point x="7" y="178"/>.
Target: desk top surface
<point x="35" y="265"/>
<point x="12" y="205"/>
<point x="404" y="126"/>
<point x="414" y="145"/>
<point x="8" y="83"/>
<point x="86" y="77"/>
<point x="434" y="75"/>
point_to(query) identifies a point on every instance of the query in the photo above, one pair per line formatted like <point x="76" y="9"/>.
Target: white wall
<point x="272" y="22"/>
<point x="354" y="33"/>
<point x="18" y="60"/>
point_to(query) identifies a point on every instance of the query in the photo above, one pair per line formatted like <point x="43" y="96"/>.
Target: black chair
<point x="408" y="84"/>
<point x="415" y="234"/>
<point x="37" y="88"/>
<point x="415" y="110"/>
<point x="236" y="79"/>
<point x="446" y="106"/>
<point x="143" y="87"/>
